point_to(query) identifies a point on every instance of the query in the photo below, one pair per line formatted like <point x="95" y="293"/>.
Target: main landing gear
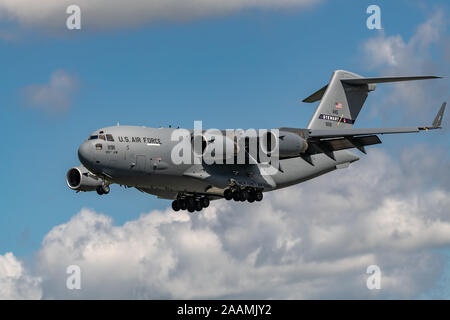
<point x="249" y="194"/>
<point x="190" y="203"/>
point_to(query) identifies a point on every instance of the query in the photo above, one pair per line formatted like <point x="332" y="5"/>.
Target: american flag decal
<point x="338" y="105"/>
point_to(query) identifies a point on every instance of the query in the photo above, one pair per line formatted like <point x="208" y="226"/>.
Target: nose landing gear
<point x="103" y="189"/>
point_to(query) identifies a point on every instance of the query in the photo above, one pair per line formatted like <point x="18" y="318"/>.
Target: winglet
<point x="438" y="119"/>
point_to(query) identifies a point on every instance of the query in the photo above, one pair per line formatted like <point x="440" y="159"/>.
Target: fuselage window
<point x="98" y="146"/>
<point x="109" y="137"/>
<point x="93" y="137"/>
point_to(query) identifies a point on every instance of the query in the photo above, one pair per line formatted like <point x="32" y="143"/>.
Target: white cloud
<point x="312" y="240"/>
<point x="393" y="55"/>
<point x="15" y="282"/>
<point x="384" y="51"/>
<point x="54" y="96"/>
<point x="100" y="14"/>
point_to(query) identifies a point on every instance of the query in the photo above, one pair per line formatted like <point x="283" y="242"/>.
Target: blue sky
<point x="247" y="69"/>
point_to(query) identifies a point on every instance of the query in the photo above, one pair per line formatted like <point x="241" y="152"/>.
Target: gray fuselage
<point x="140" y="157"/>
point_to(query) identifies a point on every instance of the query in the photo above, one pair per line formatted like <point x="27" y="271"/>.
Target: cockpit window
<point x="93" y="137"/>
<point x="102" y="136"/>
<point x="109" y="138"/>
<point x="98" y="146"/>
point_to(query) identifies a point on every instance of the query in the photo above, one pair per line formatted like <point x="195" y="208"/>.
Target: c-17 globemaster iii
<point x="192" y="167"/>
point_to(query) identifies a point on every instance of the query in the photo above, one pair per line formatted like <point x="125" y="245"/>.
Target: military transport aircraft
<point x="148" y="159"/>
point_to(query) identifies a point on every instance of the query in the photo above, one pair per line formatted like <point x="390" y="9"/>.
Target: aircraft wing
<point x="327" y="141"/>
<point x="360" y="132"/>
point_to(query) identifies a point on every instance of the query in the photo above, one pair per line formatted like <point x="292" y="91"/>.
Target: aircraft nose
<point x="85" y="152"/>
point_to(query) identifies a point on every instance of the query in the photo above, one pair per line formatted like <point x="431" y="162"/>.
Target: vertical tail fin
<point x="340" y="102"/>
<point x="342" y="99"/>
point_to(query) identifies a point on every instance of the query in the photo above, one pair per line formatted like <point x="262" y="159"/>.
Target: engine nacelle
<point x="281" y="144"/>
<point x="291" y="144"/>
<point x="80" y="179"/>
<point x="213" y="147"/>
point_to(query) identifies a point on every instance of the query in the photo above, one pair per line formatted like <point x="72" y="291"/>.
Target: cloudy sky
<point x="231" y="64"/>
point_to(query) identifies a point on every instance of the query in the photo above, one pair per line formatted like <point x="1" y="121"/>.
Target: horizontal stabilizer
<point x="360" y="81"/>
<point x="316" y="96"/>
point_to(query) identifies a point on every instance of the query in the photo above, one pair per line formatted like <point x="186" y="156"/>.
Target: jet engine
<point x="214" y="147"/>
<point x="289" y="144"/>
<point x="80" y="179"/>
<point x="284" y="143"/>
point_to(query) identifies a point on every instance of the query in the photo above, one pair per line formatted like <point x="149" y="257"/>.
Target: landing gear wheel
<point x="176" y="205"/>
<point x="243" y="195"/>
<point x="205" y="202"/>
<point x="99" y="190"/>
<point x="236" y="196"/>
<point x="183" y="204"/>
<point x="198" y="206"/>
<point x="190" y="202"/>
<point x="190" y="208"/>
<point x="228" y="194"/>
<point x="258" y="196"/>
<point x="251" y="197"/>
<point x="106" y="189"/>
